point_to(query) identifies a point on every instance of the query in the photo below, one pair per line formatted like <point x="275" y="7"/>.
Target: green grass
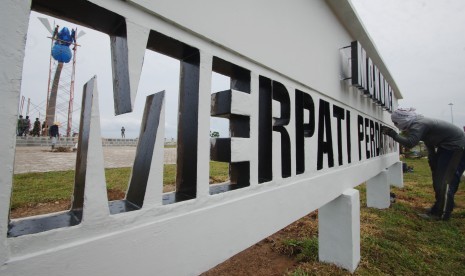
<point x="219" y="172"/>
<point x="33" y="188"/>
<point x="396" y="241"/>
<point x="170" y="146"/>
<point x="305" y="249"/>
<point x="30" y="189"/>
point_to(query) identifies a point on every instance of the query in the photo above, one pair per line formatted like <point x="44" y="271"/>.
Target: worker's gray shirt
<point x="434" y="133"/>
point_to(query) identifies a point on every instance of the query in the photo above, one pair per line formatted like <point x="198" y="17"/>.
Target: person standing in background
<point x="36" y="128"/>
<point x="26" y="126"/>
<point x="19" y="126"/>
<point x="44" y="128"/>
<point x="54" y="132"/>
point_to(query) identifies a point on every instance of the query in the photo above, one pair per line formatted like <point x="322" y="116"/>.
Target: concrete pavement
<point x="41" y="159"/>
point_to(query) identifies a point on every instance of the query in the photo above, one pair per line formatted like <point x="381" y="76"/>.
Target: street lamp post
<point x="451" y="113"/>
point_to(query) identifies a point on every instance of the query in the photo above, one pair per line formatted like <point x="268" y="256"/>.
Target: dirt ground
<point x="269" y="256"/>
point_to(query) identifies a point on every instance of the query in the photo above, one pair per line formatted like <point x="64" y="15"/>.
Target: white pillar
<point x="254" y="93"/>
<point x="14" y="18"/>
<point x="395" y="175"/>
<point x="378" y="191"/>
<point x="203" y="147"/>
<point x="339" y="231"/>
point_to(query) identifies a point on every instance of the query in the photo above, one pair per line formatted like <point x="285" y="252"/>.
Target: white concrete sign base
<point x="395" y="175"/>
<point x="302" y="136"/>
<point x="339" y="231"/>
<point x="378" y="195"/>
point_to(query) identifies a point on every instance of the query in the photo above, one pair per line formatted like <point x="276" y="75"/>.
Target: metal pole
<point x="71" y="92"/>
<point x="28" y="106"/>
<point x="55" y="30"/>
<point x="451" y="113"/>
<point x="21" y="106"/>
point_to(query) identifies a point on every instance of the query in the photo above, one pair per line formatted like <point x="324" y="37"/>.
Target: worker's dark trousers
<point x="447" y="168"/>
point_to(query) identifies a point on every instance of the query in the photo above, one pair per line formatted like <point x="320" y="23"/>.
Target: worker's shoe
<point x="433" y="213"/>
<point x="392" y="197"/>
<point x="434" y="216"/>
<point x="429" y="216"/>
<point x="432" y="210"/>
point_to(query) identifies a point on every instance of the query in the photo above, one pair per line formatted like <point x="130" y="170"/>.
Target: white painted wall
<point x="295" y="43"/>
<point x="300" y="40"/>
<point x="16" y="17"/>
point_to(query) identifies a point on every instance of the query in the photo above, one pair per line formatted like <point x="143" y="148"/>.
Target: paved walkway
<point x="41" y="159"/>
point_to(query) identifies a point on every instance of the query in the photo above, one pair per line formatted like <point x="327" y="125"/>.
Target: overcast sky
<point x="422" y="43"/>
<point x="93" y="58"/>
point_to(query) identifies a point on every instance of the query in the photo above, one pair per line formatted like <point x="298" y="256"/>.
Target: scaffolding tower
<point x="58" y="106"/>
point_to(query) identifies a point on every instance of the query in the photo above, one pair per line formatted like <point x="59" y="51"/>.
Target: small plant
<point x="297" y="272"/>
<point x="305" y="250"/>
<point x="63" y="149"/>
<point x="214" y="134"/>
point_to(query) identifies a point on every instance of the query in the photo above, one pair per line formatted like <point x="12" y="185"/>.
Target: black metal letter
<point x="303" y="101"/>
<point x="325" y="144"/>
<point x="281" y="95"/>
<point x="338" y="112"/>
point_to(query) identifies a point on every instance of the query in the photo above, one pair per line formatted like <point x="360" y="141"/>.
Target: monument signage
<point x="367" y="77"/>
<point x="300" y="137"/>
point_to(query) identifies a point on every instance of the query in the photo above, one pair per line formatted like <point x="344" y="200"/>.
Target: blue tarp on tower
<point x="63" y="39"/>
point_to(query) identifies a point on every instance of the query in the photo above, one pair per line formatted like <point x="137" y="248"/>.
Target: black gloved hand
<point x="388" y="131"/>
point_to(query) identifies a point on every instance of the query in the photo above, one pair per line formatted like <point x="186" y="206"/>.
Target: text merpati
<point x="317" y="133"/>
